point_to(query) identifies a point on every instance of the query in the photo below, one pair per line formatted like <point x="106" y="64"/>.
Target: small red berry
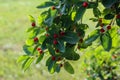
<point x="100" y="20"/>
<point x="118" y="16"/>
<point x="35" y="39"/>
<point x="102" y="30"/>
<point x="55" y="42"/>
<point x="46" y="28"/>
<point x="53" y="8"/>
<point x="85" y="4"/>
<point x="55" y="36"/>
<point x="33" y="24"/>
<point x="101" y="24"/>
<point x="108" y="27"/>
<point x="47" y="35"/>
<point x="59" y="58"/>
<point x="61" y="65"/>
<point x="81" y="40"/>
<point x="62" y="33"/>
<point x="53" y="58"/>
<point x="57" y="50"/>
<point x="78" y="47"/>
<point x="38" y="49"/>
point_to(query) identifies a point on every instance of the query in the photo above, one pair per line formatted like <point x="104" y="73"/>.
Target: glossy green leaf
<point x="46" y="4"/>
<point x="39" y="58"/>
<point x="22" y="58"/>
<point x="96" y="12"/>
<point x="27" y="49"/>
<point x="34" y="33"/>
<point x="60" y="46"/>
<point x="109" y="16"/>
<point x="51" y="67"/>
<point x="57" y="68"/>
<point x="27" y="63"/>
<point x="70" y="37"/>
<point x="50" y="49"/>
<point x="79" y="13"/>
<point x="42" y="38"/>
<point x="108" y="3"/>
<point x="70" y="54"/>
<point x="29" y="42"/>
<point x="68" y="67"/>
<point x="92" y="37"/>
<point x="106" y="41"/>
<point x="118" y="22"/>
<point x="50" y="18"/>
<point x="48" y="61"/>
<point x="31" y="18"/>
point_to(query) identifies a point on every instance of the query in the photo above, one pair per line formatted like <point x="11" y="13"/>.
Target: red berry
<point x="53" y="8"/>
<point x="57" y="50"/>
<point x="55" y="36"/>
<point x="53" y="58"/>
<point x="46" y="28"/>
<point x="33" y="24"/>
<point x="62" y="33"/>
<point x="55" y="42"/>
<point x="85" y="4"/>
<point x="35" y="39"/>
<point x="100" y="20"/>
<point x="118" y="16"/>
<point x="78" y="47"/>
<point x="102" y="30"/>
<point x="38" y="49"/>
<point x="59" y="58"/>
<point x="108" y="27"/>
<point x="47" y="35"/>
<point x="81" y="40"/>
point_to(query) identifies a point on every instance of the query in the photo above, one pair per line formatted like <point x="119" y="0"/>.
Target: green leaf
<point x="22" y="58"/>
<point x="39" y="58"/>
<point x="46" y="4"/>
<point x="70" y="54"/>
<point x="106" y="41"/>
<point x="29" y="42"/>
<point x="96" y="12"/>
<point x="27" y="63"/>
<point x="70" y="37"/>
<point x="60" y="46"/>
<point x="68" y="67"/>
<point x="50" y="18"/>
<point x="48" y="61"/>
<point x="79" y="13"/>
<point x="42" y="38"/>
<point x="31" y="18"/>
<point x="109" y="16"/>
<point x="92" y="5"/>
<point x="27" y="49"/>
<point x="57" y="68"/>
<point x="51" y="66"/>
<point x="118" y="22"/>
<point x="92" y="37"/>
<point x="30" y="29"/>
<point x="34" y="33"/>
<point x="108" y="3"/>
<point x="51" y="50"/>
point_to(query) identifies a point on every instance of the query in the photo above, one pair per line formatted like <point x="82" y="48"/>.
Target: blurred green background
<point x="13" y="24"/>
